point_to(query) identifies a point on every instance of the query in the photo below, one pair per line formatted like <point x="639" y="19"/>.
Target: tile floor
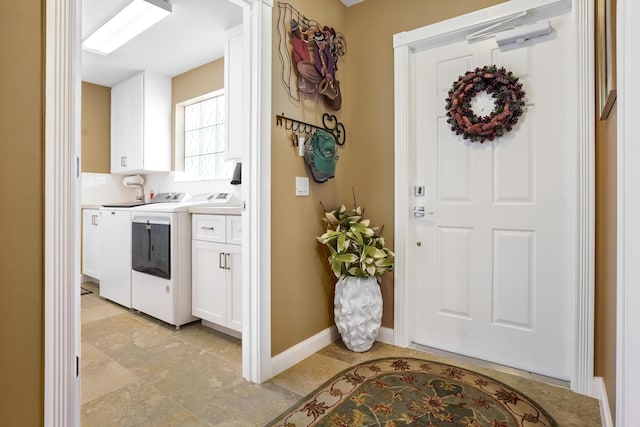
<point x="138" y="371"/>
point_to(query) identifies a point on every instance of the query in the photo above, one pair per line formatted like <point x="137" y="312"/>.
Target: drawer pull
<point x="207" y="228"/>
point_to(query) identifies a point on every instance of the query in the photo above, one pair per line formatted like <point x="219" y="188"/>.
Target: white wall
<point x="99" y="188"/>
<point x="166" y="182"/>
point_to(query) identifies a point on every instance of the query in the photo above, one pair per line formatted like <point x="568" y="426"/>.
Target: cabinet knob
<point x="207" y="228"/>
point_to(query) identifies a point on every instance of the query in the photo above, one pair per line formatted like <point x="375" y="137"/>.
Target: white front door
<point x="492" y="264"/>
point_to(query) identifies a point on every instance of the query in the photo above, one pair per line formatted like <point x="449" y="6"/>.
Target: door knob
<point x="419" y="212"/>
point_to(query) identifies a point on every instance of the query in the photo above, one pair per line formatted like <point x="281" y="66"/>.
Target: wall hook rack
<point x="330" y="124"/>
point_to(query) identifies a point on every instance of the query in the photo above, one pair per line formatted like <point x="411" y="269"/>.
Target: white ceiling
<point x="191" y="36"/>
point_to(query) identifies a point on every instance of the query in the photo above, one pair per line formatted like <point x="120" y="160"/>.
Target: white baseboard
<point x="301" y="351"/>
<point x="386" y="336"/>
<point x="599" y="391"/>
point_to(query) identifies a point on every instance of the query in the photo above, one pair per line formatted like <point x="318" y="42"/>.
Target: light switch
<point x="302" y="186"/>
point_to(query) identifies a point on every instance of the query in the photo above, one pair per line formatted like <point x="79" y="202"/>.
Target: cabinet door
<point x="156" y="146"/>
<point x="118" y="128"/>
<point x="234" y="94"/>
<point x="126" y="125"/>
<point x="115" y="256"/>
<point x="135" y="122"/>
<point x="209" y="282"/>
<point x="234" y="277"/>
<point x="90" y="243"/>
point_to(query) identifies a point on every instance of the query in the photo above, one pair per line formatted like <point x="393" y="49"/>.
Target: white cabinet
<point x="217" y="270"/>
<point x="90" y="243"/>
<point x="115" y="255"/>
<point x="141" y="124"/>
<point x="235" y="120"/>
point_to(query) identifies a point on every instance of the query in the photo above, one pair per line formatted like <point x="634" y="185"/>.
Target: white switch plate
<point x="302" y="186"/>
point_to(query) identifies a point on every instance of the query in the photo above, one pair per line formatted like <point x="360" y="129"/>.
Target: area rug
<point x="393" y="392"/>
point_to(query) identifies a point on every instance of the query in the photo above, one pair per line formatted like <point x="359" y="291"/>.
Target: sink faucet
<point x="139" y="196"/>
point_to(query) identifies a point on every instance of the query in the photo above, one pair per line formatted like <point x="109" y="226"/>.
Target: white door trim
<point x="62" y="214"/>
<point x="256" y="193"/>
<point x="628" y="212"/>
<point x="455" y="29"/>
<point x="62" y="205"/>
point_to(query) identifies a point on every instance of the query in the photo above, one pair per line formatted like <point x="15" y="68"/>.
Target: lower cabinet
<point x="216" y="274"/>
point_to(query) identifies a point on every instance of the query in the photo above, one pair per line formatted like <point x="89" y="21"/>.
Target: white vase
<point x="358" y="311"/>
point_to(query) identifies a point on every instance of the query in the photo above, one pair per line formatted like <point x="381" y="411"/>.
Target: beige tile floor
<point x="138" y="371"/>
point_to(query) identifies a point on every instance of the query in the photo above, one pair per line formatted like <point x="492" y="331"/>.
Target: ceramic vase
<point x="358" y="311"/>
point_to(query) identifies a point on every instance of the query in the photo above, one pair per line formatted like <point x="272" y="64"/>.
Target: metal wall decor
<point x="330" y="124"/>
<point x="309" y="53"/>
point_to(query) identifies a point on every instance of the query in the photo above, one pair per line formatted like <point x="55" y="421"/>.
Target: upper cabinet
<point x="141" y="124"/>
<point x="234" y="95"/>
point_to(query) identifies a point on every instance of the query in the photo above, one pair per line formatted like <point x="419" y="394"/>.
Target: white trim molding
<point x="628" y="212"/>
<point x="256" y="193"/>
<point x="584" y="66"/>
<point x="401" y="192"/>
<point x="62" y="210"/>
<point x="386" y="335"/>
<point x="457" y="29"/>
<point x="599" y="391"/>
<point x="302" y="350"/>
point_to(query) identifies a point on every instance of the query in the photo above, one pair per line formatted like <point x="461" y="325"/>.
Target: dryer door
<point x="151" y="246"/>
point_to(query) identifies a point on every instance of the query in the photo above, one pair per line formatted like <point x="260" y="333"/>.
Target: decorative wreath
<point x="506" y="91"/>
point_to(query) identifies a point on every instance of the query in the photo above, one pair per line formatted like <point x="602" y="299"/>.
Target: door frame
<point x="628" y="210"/>
<point x="62" y="108"/>
<point x="456" y="29"/>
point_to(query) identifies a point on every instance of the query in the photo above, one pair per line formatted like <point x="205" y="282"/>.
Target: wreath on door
<point x="508" y="97"/>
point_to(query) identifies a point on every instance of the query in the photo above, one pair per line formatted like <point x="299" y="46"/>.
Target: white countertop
<point x="216" y="210"/>
<point x="90" y="206"/>
<point x="211" y="210"/>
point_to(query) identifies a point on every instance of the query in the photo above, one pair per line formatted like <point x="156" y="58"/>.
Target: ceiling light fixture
<point x="136" y="17"/>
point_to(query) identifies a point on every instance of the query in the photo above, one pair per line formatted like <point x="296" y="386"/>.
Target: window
<point x="204" y="139"/>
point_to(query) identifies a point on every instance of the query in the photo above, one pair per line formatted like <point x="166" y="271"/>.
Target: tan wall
<point x="199" y="81"/>
<point x="302" y="286"/>
<point x="21" y="229"/>
<point x="301" y="283"/>
<point x="605" y="253"/>
<point x="96" y="128"/>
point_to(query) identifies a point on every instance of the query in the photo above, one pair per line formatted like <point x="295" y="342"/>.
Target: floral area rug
<point x="396" y="392"/>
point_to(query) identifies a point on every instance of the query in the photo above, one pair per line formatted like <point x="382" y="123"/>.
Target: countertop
<point x="216" y="210"/>
<point x="88" y="206"/>
<point x="211" y="210"/>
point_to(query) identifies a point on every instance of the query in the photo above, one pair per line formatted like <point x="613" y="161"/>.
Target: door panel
<point x="513" y="278"/>
<point x="494" y="267"/>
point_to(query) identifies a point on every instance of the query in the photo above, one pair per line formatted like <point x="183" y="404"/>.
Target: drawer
<point x="211" y="228"/>
<point x="234" y="229"/>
